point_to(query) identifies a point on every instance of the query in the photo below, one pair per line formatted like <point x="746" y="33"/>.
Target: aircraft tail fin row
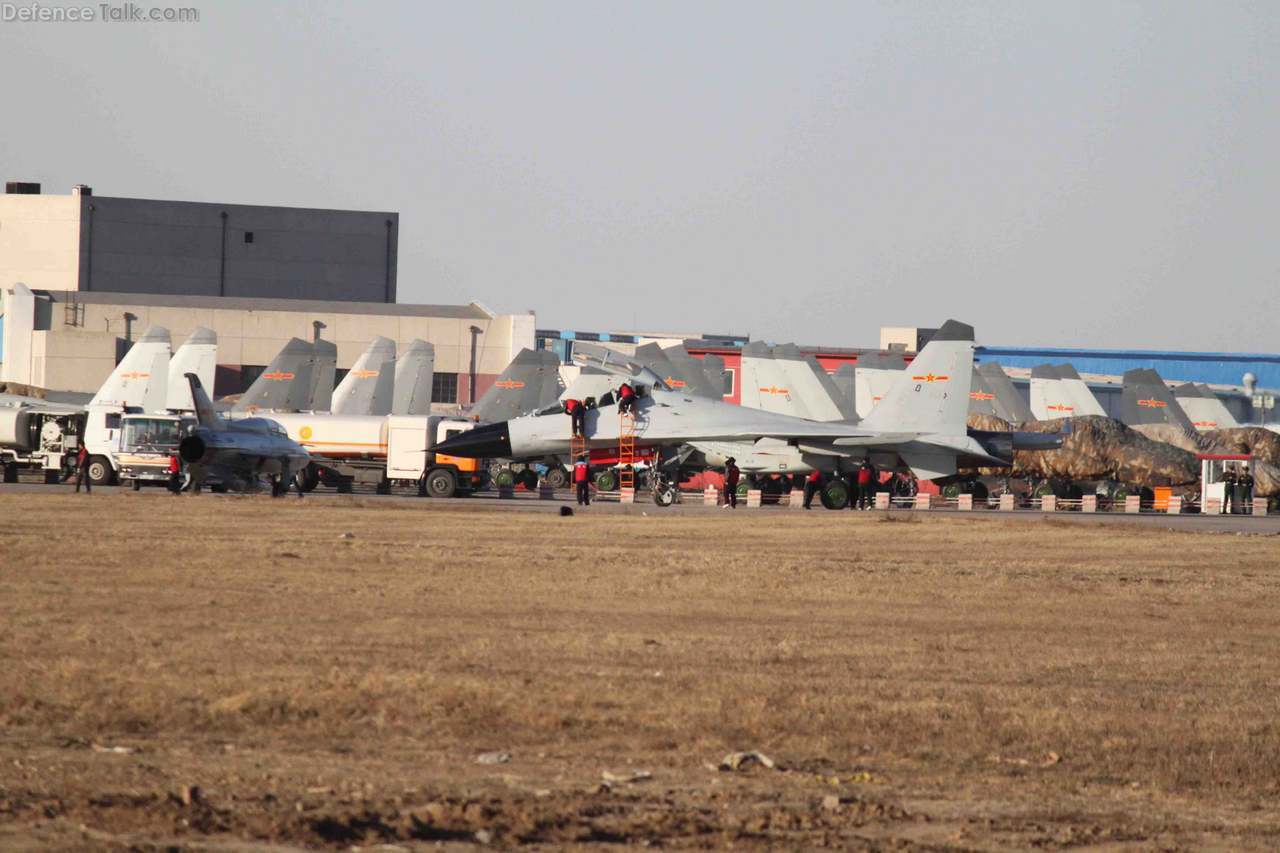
<point x="286" y="383"/>
<point x="784" y="381"/>
<point x="368" y="386"/>
<point x="199" y="355"/>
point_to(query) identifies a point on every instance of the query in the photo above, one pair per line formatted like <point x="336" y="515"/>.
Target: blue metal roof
<point x="1217" y="368"/>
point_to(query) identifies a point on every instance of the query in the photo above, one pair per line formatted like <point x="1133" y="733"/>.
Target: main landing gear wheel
<point x="835" y="495"/>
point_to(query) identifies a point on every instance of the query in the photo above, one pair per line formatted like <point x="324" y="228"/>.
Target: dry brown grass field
<point x="233" y="673"/>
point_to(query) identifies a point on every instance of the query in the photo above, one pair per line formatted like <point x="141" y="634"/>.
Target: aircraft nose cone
<point x="483" y="442"/>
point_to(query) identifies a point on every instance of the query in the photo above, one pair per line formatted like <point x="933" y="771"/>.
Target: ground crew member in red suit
<point x="866" y="485"/>
<point x="812" y="484"/>
<point x="577" y="416"/>
<point x="626" y="398"/>
<point x="582" y="481"/>
<point x="175" y="484"/>
<point x="82" y="471"/>
<point x="731" y="482"/>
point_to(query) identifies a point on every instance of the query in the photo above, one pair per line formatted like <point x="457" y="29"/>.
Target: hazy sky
<point x="1054" y="173"/>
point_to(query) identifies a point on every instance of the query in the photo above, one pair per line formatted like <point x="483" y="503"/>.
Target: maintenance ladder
<point x="578" y="449"/>
<point x="626" y="451"/>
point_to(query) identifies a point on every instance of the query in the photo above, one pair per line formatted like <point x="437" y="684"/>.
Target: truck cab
<point x="147" y="443"/>
<point x="410" y="439"/>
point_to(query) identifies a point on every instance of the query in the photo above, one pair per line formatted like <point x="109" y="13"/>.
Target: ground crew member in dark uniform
<point x="812" y="485"/>
<point x="577" y="413"/>
<point x="175" y="482"/>
<point x="626" y="398"/>
<point x="1246" y="489"/>
<point x="731" y="482"/>
<point x="582" y="481"/>
<point x="1229" y="490"/>
<point x="82" y="471"/>
<point x="866" y="485"/>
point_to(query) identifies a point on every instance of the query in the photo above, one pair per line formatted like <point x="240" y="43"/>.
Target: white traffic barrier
<point x="1049" y="503"/>
<point x="753" y="497"/>
<point x="1213" y="506"/>
<point x="1089" y="503"/>
<point x="1133" y="503"/>
<point x="1174" y="507"/>
<point x="795" y="498"/>
<point x="711" y="496"/>
<point x="1259" y="506"/>
<point x="1006" y="502"/>
<point x="964" y="502"/>
<point x="627" y="496"/>
<point x="882" y="500"/>
<point x="924" y="502"/>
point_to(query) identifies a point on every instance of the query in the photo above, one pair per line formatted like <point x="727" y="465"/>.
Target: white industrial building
<point x="82" y="275"/>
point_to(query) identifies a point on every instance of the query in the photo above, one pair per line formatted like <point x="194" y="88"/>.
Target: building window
<point x="444" y="388"/>
<point x="729" y="374"/>
<point x="248" y="236"/>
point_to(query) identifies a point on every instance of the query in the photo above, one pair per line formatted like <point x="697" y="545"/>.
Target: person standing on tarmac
<point x="82" y="471"/>
<point x="812" y="485"/>
<point x="1246" y="489"/>
<point x="866" y="485"/>
<point x="175" y="482"/>
<point x="577" y="416"/>
<point x="582" y="481"/>
<point x="731" y="483"/>
<point x="1229" y="489"/>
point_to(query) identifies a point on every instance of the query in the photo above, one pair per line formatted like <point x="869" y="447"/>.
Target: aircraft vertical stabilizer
<point x="689" y="369"/>
<point x="1010" y="404"/>
<point x="1146" y="400"/>
<point x="199" y="355"/>
<point x="846" y="381"/>
<point x="530" y="382"/>
<point x="1081" y="397"/>
<point x="141" y="378"/>
<point x="415" y="369"/>
<point x="324" y="369"/>
<point x="982" y="400"/>
<point x="1205" y="409"/>
<point x="932" y="394"/>
<point x="876" y="372"/>
<point x="363" y="390"/>
<point x="713" y="368"/>
<point x="286" y="383"/>
<point x="1050" y="399"/>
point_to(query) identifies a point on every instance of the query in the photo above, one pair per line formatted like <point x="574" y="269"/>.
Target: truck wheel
<point x="441" y="483"/>
<point x="100" y="473"/>
<point x="835" y="495"/>
<point x="607" y="481"/>
<point x="556" y="478"/>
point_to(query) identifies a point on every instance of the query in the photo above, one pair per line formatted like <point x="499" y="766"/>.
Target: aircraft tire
<point x="607" y="481"/>
<point x="556" y="477"/>
<point x="529" y="479"/>
<point x="835" y="495"/>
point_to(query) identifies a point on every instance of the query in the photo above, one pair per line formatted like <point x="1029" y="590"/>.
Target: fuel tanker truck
<point x="382" y="450"/>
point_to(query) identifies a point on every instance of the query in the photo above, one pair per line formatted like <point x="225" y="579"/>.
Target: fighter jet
<point x="287" y="385"/>
<point x="238" y="452"/>
<point x="920" y="424"/>
<point x="1146" y="401"/>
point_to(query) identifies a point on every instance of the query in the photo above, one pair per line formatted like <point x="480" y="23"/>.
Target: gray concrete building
<point x="90" y="243"/>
